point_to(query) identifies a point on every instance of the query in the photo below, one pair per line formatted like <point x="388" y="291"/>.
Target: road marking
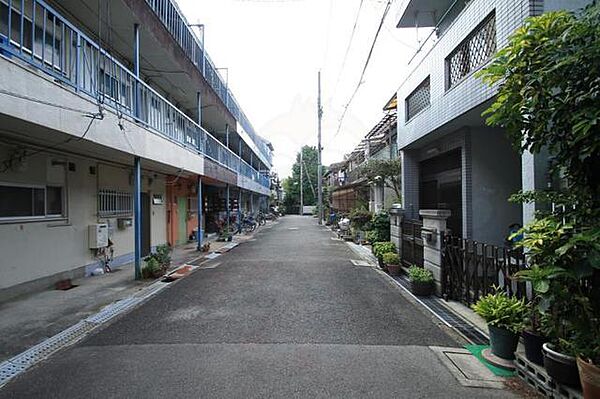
<point x="362" y="263"/>
<point x="293" y="228"/>
<point x="211" y="266"/>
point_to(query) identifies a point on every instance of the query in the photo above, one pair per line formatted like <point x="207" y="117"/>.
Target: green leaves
<point x="549" y="94"/>
<point x="503" y="311"/>
<point x="420" y="274"/>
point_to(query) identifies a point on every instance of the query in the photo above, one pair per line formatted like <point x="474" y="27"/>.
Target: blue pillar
<point x="136" y="68"/>
<point x="200" y="234"/>
<point x="227" y="208"/>
<point x="137" y="211"/>
<point x="239" y="212"/>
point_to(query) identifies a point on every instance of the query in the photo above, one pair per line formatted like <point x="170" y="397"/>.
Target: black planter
<point x="562" y="368"/>
<point x="381" y="264"/>
<point x="533" y="347"/>
<point x="503" y="342"/>
<point x="420" y="288"/>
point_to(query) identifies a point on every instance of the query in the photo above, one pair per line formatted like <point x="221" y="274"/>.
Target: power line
<point x="362" y="75"/>
<point x="348" y="47"/>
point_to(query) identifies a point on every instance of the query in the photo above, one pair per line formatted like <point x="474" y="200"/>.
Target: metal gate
<point x="472" y="269"/>
<point x="412" y="243"/>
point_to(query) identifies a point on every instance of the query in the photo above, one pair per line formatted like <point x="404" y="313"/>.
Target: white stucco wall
<point x="36" y="249"/>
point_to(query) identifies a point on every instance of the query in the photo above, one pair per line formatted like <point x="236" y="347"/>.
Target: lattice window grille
<point x="473" y="52"/>
<point x="418" y="100"/>
<point x="115" y="203"/>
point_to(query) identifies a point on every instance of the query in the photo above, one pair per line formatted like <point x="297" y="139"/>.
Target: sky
<point x="273" y="50"/>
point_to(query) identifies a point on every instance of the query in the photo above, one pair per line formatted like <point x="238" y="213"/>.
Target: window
<point x="473" y="52"/>
<point x="31" y="201"/>
<point x="418" y="100"/>
<point x="115" y="203"/>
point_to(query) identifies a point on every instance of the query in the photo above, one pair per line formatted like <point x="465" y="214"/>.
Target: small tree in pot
<point x="421" y="281"/>
<point x="392" y="263"/>
<point x="505" y="317"/>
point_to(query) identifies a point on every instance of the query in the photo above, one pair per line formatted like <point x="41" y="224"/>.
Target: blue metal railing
<point x="38" y="34"/>
<point x="173" y="19"/>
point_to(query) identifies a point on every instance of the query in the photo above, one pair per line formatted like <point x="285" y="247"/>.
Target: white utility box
<point x="98" y="235"/>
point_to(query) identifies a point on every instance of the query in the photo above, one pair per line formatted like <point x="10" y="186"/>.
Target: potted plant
<point x="391" y="260"/>
<point x="152" y="268"/>
<point x="588" y="362"/>
<point x="380" y="248"/>
<point x="421" y="281"/>
<point x="533" y="337"/>
<point x="162" y="255"/>
<point x="505" y="317"/>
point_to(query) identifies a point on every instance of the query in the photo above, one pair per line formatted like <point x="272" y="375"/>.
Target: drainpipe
<point x="239" y="212"/>
<point x="227" y="135"/>
<point x="137" y="210"/>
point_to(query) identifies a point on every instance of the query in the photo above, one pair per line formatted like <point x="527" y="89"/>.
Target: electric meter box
<point x="98" y="235"/>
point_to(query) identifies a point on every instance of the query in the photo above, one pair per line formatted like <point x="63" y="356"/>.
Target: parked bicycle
<point x="248" y="224"/>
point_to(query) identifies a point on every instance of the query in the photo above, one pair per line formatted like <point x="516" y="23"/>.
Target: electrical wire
<point x="348" y="47"/>
<point x="362" y="75"/>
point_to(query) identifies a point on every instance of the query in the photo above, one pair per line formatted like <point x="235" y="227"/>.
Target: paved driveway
<point x="286" y="316"/>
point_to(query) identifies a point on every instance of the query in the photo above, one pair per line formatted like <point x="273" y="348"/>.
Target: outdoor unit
<point x="98" y="235"/>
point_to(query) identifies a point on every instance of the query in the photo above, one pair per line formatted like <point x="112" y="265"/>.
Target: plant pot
<point x="420" y="288"/>
<point x="394" y="270"/>
<point x="533" y="346"/>
<point x="503" y="342"/>
<point x="562" y="368"/>
<point x="589" y="375"/>
<point x="381" y="264"/>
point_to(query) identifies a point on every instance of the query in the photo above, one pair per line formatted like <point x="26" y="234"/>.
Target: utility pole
<point x="301" y="182"/>
<point x="319" y="166"/>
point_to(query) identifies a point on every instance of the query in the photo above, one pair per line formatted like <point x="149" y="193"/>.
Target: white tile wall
<point x="447" y="105"/>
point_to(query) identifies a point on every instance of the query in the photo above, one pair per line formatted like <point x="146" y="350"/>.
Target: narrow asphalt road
<point x="283" y="316"/>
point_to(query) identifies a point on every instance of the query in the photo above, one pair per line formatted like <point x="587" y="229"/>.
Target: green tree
<point x="548" y="79"/>
<point x="291" y="185"/>
<point x="386" y="171"/>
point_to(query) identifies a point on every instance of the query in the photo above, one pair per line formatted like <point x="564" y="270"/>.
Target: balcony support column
<point x="200" y="233"/>
<point x="227" y="135"/>
<point x="137" y="211"/>
<point x="136" y="67"/>
<point x="227" y="207"/>
<point x="239" y="212"/>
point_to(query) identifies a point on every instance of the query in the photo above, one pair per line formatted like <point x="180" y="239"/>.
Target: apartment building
<point x="450" y="158"/>
<point x="117" y="134"/>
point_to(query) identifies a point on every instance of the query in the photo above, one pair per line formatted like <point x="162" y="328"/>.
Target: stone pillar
<point x="396" y="215"/>
<point x="534" y="176"/>
<point x="434" y="224"/>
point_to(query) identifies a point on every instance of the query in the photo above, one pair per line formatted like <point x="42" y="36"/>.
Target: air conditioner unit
<point x="98" y="235"/>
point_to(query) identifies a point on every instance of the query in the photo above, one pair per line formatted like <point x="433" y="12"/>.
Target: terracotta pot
<point x="562" y="368"/>
<point x="394" y="270"/>
<point x="589" y="375"/>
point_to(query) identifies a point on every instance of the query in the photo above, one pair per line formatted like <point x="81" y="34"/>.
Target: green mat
<point x="498" y="371"/>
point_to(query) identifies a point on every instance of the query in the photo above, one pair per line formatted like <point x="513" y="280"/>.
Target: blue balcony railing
<point x="39" y="35"/>
<point x="176" y="23"/>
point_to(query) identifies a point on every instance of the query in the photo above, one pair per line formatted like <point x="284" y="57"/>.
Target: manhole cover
<point x="467" y="369"/>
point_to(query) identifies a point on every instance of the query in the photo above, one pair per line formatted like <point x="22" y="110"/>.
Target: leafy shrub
<point x="360" y="218"/>
<point x="420" y="274"/>
<point x="503" y="311"/>
<point x="151" y="269"/>
<point x="380" y="248"/>
<point x="162" y="256"/>
<point x="380" y="225"/>
<point x="372" y="236"/>
<point x="391" y="258"/>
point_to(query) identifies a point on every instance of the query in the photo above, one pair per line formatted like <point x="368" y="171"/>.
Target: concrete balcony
<point x="54" y="66"/>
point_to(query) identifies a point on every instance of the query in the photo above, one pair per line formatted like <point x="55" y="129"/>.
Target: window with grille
<point x="115" y="203"/>
<point x="473" y="52"/>
<point x="418" y="100"/>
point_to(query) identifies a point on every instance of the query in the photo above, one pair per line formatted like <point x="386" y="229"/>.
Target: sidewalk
<point x="28" y="320"/>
